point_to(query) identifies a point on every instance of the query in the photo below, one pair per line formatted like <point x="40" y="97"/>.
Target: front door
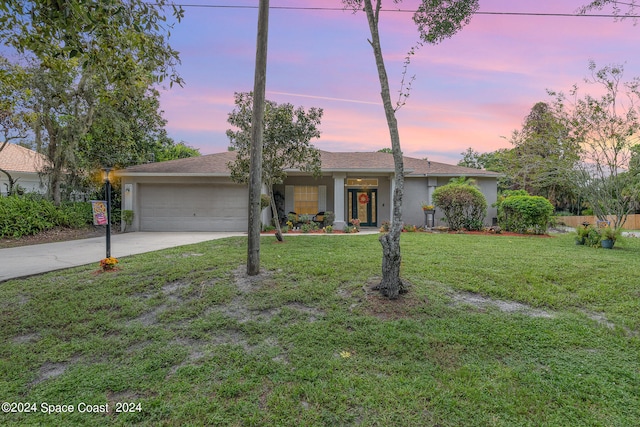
<point x="363" y="206"/>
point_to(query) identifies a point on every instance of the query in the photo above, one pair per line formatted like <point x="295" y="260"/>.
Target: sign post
<point x="108" y="197"/>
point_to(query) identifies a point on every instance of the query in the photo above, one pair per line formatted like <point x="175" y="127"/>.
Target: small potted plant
<point x="427" y="207"/>
<point x="609" y="237"/>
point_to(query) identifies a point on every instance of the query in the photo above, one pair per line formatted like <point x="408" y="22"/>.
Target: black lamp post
<point x="107" y="189"/>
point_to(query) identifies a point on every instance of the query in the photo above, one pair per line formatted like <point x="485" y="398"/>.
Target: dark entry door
<point x="363" y="206"/>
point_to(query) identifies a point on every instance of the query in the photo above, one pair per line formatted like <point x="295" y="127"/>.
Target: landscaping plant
<point x="463" y="205"/>
<point x="28" y="215"/>
<point x="521" y="213"/>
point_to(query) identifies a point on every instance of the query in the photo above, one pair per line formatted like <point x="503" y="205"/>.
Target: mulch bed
<point x="57" y="234"/>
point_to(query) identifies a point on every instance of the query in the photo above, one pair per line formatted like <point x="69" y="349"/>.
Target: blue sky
<point x="470" y="91"/>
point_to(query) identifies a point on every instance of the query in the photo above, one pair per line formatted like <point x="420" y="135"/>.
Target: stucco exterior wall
<point x="28" y="181"/>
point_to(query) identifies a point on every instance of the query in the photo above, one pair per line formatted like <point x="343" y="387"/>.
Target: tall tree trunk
<point x="55" y="187"/>
<point x="391" y="285"/>
<point x="255" y="174"/>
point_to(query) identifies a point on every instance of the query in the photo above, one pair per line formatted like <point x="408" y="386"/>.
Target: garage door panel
<point x="181" y="207"/>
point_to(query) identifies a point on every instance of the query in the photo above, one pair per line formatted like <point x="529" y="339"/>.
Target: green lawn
<point x="187" y="338"/>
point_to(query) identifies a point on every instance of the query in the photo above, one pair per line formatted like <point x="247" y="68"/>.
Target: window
<point x="305" y="199"/>
<point x="362" y="182"/>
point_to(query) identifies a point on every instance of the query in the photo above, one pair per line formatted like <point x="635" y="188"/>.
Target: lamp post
<point x="107" y="189"/>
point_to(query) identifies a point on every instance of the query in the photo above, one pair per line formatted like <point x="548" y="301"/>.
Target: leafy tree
<point x="128" y="129"/>
<point x="436" y="20"/>
<point x="81" y="52"/>
<point x="543" y="157"/>
<point x="64" y="104"/>
<point x="470" y="159"/>
<point x="385" y="150"/>
<point x="115" y="37"/>
<point x="286" y="143"/>
<point x="632" y="7"/>
<point x="606" y="128"/>
<point x="173" y="151"/>
<point x="14" y="118"/>
<point x="462" y="203"/>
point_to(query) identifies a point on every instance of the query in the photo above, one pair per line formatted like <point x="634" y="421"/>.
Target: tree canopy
<point x="116" y="37"/>
<point x="543" y="156"/>
<point x="88" y="63"/>
<point x="287" y="136"/>
<point x="606" y="127"/>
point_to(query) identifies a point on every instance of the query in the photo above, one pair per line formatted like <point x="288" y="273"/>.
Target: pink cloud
<point x="470" y="90"/>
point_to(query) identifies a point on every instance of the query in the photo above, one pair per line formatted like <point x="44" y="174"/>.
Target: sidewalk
<point x="35" y="259"/>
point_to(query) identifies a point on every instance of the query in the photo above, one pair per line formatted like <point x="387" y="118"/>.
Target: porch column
<point x="266" y="215"/>
<point x="338" y="200"/>
<point x="432" y="183"/>
<point x="127" y="204"/>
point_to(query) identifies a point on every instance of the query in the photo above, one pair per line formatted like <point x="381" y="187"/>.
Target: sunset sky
<point x="472" y="90"/>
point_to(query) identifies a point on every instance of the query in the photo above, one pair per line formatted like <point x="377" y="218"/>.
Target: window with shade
<point x="305" y="199"/>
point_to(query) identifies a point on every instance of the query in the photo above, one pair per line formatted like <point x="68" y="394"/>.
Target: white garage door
<point x="193" y="207"/>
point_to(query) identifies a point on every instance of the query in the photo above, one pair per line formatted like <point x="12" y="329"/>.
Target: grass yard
<point x="495" y="331"/>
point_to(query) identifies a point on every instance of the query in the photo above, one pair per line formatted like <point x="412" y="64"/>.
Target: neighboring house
<point x="197" y="194"/>
<point x="24" y="166"/>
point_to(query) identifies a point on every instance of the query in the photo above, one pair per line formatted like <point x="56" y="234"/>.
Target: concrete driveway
<point x="35" y="259"/>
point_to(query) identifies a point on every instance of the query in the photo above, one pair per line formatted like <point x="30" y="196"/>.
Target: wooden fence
<point x="633" y="221"/>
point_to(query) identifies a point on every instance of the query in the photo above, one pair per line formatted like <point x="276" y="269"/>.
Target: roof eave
<point x="179" y="174"/>
<point x="455" y="175"/>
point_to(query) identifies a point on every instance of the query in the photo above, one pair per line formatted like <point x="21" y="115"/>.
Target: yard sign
<point x="99" y="212"/>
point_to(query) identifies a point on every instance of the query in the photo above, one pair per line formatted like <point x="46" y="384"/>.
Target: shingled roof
<point x="210" y="164"/>
<point x="15" y="158"/>
<point x="363" y="162"/>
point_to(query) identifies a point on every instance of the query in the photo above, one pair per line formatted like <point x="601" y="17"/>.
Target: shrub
<point x="349" y="229"/>
<point x="593" y="237"/>
<point x="22" y="216"/>
<point x="75" y="215"/>
<point x="524" y="213"/>
<point x="329" y="218"/>
<point x="462" y="204"/>
<point x="307" y="227"/>
<point x="581" y="234"/>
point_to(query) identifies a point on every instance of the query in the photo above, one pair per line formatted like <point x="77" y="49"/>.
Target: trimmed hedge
<point x="463" y="205"/>
<point x="21" y="216"/>
<point x="523" y="214"/>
